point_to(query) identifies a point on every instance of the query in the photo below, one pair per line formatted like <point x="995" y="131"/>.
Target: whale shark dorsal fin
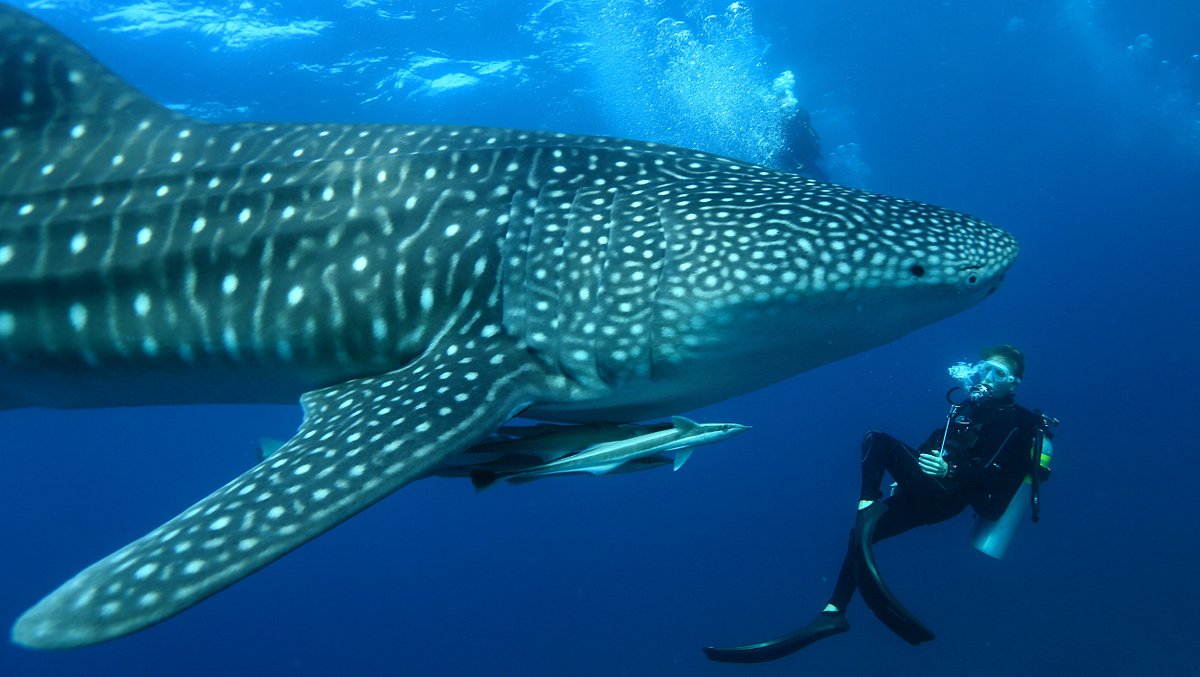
<point x="358" y="443"/>
<point x="47" y="81"/>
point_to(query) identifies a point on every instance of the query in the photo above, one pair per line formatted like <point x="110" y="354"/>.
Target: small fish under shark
<point x="526" y="453"/>
<point x="603" y="455"/>
<point x="414" y="287"/>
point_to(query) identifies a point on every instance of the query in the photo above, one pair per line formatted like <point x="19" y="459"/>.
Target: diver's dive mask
<point x="984" y="379"/>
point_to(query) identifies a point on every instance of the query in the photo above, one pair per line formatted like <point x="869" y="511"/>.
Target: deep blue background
<point x="1045" y="117"/>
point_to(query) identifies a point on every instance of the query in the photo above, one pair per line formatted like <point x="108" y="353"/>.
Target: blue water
<point x="1075" y="125"/>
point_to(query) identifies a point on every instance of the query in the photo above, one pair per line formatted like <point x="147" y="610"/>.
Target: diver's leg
<point x="882" y="452"/>
<point x="830" y="621"/>
<point x="902" y="512"/>
<point x="844" y="588"/>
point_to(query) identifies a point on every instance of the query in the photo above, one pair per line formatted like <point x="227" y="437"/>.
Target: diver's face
<point x="986" y="379"/>
<point x="996" y="377"/>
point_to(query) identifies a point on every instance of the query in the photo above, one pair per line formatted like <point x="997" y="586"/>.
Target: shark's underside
<point x="414" y="287"/>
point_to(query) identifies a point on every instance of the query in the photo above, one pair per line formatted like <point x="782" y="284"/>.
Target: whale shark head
<point x="414" y="287"/>
<point x="733" y="264"/>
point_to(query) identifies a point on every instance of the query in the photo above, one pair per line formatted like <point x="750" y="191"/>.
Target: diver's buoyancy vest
<point x="990" y="447"/>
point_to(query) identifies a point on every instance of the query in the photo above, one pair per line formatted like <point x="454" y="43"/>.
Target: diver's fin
<point x="360" y="441"/>
<point x="871" y="586"/>
<point x="824" y="625"/>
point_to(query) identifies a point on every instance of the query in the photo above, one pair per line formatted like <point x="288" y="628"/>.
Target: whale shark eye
<point x="972" y="278"/>
<point x="917" y="270"/>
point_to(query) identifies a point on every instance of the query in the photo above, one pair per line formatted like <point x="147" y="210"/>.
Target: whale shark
<point x="413" y="287"/>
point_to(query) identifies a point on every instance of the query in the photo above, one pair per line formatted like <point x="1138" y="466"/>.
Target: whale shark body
<point x="414" y="287"/>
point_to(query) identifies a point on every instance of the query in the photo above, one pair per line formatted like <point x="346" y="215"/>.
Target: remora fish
<point x="607" y="456"/>
<point x="520" y="447"/>
<point x="414" y="287"/>
<point x="515" y="449"/>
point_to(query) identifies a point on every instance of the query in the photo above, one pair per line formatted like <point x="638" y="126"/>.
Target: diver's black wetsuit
<point x="988" y="448"/>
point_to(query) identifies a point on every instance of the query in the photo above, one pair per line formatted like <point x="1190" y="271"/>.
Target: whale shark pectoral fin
<point x="360" y="441"/>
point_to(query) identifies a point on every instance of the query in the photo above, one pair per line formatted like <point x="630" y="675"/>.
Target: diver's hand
<point x="932" y="464"/>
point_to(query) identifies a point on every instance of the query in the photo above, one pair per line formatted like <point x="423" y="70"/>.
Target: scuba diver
<point x="801" y="152"/>
<point x="990" y="455"/>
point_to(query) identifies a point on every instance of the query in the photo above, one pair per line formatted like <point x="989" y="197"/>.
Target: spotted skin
<point x="414" y="287"/>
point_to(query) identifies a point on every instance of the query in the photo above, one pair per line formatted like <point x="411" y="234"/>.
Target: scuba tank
<point x="992" y="537"/>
